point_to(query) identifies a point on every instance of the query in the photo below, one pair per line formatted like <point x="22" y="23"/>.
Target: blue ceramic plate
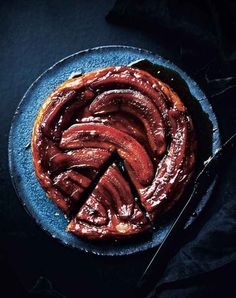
<point x="33" y="197"/>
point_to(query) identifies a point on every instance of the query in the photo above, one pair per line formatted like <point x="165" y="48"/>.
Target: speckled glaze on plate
<point x="27" y="187"/>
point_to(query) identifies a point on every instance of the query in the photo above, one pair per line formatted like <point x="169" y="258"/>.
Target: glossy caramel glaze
<point x="110" y="210"/>
<point x="84" y="121"/>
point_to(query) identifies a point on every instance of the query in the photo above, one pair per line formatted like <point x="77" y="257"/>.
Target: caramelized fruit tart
<point x="114" y="149"/>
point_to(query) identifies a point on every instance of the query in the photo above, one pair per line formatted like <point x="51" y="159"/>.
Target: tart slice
<point x="110" y="211"/>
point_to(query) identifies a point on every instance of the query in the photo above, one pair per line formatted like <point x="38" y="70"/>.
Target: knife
<point x="158" y="262"/>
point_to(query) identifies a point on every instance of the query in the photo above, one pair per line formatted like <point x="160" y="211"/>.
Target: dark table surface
<point x="33" y="36"/>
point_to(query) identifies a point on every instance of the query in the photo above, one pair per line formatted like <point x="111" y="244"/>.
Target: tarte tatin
<point x="86" y="124"/>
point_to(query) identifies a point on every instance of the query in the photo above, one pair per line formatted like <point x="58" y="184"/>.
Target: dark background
<point x="33" y="36"/>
